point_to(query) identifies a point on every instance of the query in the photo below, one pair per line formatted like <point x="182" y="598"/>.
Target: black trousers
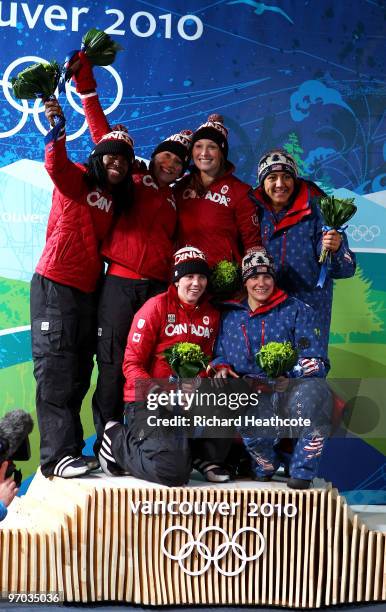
<point x="63" y="330"/>
<point x="159" y="455"/>
<point x="119" y="301"/>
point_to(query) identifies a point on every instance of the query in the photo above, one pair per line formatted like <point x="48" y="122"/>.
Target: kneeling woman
<point x="174" y="316"/>
<point x="268" y="314"/>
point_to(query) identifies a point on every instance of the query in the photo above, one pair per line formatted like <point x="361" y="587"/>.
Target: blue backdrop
<point x="307" y="74"/>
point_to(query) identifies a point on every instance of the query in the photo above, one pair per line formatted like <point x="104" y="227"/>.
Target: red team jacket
<point x="79" y="220"/>
<point x="161" y="322"/>
<point x="222" y="223"/>
<point x="142" y="239"/>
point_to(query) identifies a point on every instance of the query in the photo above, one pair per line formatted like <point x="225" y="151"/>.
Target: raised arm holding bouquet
<point x="269" y="334"/>
<point x="139" y="249"/>
<point x="65" y="289"/>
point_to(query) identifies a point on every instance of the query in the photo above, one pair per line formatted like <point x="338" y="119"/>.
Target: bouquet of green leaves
<point x="186" y="359"/>
<point x="225" y="278"/>
<point x="336" y="212"/>
<point x="99" y="47"/>
<point x="36" y="81"/>
<point x="277" y="358"/>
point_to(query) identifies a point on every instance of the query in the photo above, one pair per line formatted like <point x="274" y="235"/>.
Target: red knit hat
<point x="179" y="144"/>
<point x="213" y="129"/>
<point x="189" y="260"/>
<point x="117" y="142"/>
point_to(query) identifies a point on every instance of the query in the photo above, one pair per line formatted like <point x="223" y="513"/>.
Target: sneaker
<point x="211" y="471"/>
<point x="106" y="459"/>
<point x="92" y="462"/>
<point x="71" y="467"/>
<point x="299" y="483"/>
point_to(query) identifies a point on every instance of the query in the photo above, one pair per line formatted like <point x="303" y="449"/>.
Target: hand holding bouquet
<point x="277" y="358"/>
<point x="336" y="212"/>
<point x="186" y="359"/>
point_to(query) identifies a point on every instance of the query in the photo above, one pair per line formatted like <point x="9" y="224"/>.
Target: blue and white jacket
<point x="293" y="237"/>
<point x="243" y="333"/>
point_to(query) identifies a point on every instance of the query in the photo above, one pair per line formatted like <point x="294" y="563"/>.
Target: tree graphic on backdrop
<point x="353" y="311"/>
<point x="294" y="148"/>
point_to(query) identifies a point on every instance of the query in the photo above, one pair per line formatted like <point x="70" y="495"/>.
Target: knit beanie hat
<point x="189" y="260"/>
<point x="276" y="160"/>
<point x="215" y="130"/>
<point x="117" y="142"/>
<point x="257" y="262"/>
<point x="179" y="144"/>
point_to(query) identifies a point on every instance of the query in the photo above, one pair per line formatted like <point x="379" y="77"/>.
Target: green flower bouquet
<point x="336" y="212"/>
<point x="99" y="47"/>
<point x="186" y="359"/>
<point x="277" y="358"/>
<point x="225" y="278"/>
<point x="37" y="81"/>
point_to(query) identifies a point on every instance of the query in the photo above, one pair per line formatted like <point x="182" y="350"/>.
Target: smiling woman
<point x="215" y="211"/>
<point x="64" y="289"/>
<point x="138" y="249"/>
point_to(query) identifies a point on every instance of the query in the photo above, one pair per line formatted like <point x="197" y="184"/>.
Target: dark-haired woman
<point x="215" y="212"/>
<point x="64" y="289"/>
<point x="138" y="250"/>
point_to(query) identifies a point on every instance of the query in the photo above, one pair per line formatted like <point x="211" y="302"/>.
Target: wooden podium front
<point x="123" y="539"/>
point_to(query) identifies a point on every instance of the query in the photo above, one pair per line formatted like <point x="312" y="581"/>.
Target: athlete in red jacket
<point x="64" y="289"/>
<point x="138" y="249"/>
<point x="215" y="212"/>
<point x="182" y="314"/>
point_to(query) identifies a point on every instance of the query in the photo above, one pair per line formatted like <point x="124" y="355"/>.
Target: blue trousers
<point x="306" y="398"/>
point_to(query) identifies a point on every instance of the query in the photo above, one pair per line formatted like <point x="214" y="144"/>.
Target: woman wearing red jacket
<point x="64" y="289"/>
<point x="138" y="249"/>
<point x="215" y="211"/>
<point x="182" y="314"/>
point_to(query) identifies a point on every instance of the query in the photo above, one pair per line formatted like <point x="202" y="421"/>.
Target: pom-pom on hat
<point x="117" y="142"/>
<point x="179" y="144"/>
<point x="257" y="261"/>
<point x="277" y="160"/>
<point x="189" y="260"/>
<point x="215" y="130"/>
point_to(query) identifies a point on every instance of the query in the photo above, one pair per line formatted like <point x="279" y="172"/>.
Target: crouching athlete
<point x="268" y="314"/>
<point x="182" y="314"/>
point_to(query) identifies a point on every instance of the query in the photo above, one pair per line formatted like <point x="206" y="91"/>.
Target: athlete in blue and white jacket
<point x="269" y="314"/>
<point x="291" y="231"/>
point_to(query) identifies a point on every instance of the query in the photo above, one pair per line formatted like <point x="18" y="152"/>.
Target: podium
<point x="123" y="539"/>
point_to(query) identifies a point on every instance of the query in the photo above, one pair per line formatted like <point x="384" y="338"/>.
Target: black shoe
<point x="71" y="467"/>
<point x="212" y="472"/>
<point x="262" y="478"/>
<point x="299" y="483"/>
<point x="92" y="462"/>
<point x="106" y="459"/>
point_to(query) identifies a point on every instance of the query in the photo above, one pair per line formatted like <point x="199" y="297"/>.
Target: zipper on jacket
<point x="248" y="344"/>
<point x="265" y="235"/>
<point x="283" y="247"/>
<point x="262" y="332"/>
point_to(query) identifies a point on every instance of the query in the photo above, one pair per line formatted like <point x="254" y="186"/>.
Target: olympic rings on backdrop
<point x="37" y="107"/>
<point x="363" y="232"/>
<point x="205" y="552"/>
